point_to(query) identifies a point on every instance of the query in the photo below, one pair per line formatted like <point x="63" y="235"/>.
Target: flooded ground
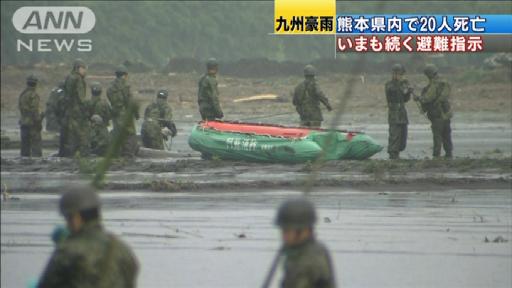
<point x="377" y="238"/>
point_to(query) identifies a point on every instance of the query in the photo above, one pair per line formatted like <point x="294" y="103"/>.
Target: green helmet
<point x="96" y="119"/>
<point x="212" y="63"/>
<point x="296" y="214"/>
<point x="121" y="70"/>
<point x="163" y="94"/>
<point x="96" y="88"/>
<point x="309" y="70"/>
<point x="430" y="70"/>
<point x="79" y="63"/>
<point x="398" y="68"/>
<point x="32" y="80"/>
<point x="78" y="198"/>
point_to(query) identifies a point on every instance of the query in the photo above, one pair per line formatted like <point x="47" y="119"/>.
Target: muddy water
<point x="378" y="239"/>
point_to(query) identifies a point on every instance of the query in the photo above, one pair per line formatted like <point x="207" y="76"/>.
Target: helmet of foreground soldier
<point x="32" y="80"/>
<point x="430" y="70"/>
<point x="398" y="68"/>
<point x="162" y="94"/>
<point x="96" y="88"/>
<point x="78" y="198"/>
<point x="309" y="70"/>
<point x="212" y="63"/>
<point x="296" y="214"/>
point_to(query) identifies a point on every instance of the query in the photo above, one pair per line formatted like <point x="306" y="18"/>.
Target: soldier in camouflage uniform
<point x="435" y="101"/>
<point x="52" y="107"/>
<point x="158" y="117"/>
<point x="31" y="118"/>
<point x="124" y="111"/>
<point x="398" y="92"/>
<point x="208" y="93"/>
<point x="101" y="115"/>
<point x="306" y="261"/>
<point x="307" y="97"/>
<point x="89" y="256"/>
<point x="76" y="128"/>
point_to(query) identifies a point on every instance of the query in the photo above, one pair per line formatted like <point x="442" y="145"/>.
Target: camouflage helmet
<point x="78" y="198"/>
<point x="212" y="63"/>
<point x="296" y="213"/>
<point x="32" y="80"/>
<point x="121" y="70"/>
<point x="430" y="70"/>
<point x="96" y="119"/>
<point x="79" y="63"/>
<point x="96" y="88"/>
<point x="162" y="94"/>
<point x="309" y="70"/>
<point x="398" y="68"/>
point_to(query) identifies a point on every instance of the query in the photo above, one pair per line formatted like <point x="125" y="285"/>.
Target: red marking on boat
<point x="269" y="130"/>
<point x="350" y="135"/>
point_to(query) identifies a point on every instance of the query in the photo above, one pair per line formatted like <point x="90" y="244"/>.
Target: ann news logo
<point x="48" y="20"/>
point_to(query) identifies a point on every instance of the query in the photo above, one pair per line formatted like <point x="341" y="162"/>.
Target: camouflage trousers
<point x="99" y="140"/>
<point x="397" y="139"/>
<point x="442" y="136"/>
<point x="152" y="135"/>
<point x="31" y="141"/>
<point x="74" y="138"/>
<point x="312" y="124"/>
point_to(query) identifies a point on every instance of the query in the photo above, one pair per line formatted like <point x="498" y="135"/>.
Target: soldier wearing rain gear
<point x="208" y="93"/>
<point x="124" y="111"/>
<point x="89" y="256"/>
<point x="75" y="129"/>
<point x="435" y="101"/>
<point x="398" y="92"/>
<point x="53" y="114"/>
<point x="307" y="262"/>
<point x="158" y="124"/>
<point x="30" y="121"/>
<point x="307" y="97"/>
<point x="101" y="114"/>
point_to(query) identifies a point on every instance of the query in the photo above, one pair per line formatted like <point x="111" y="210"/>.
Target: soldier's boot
<point x="394" y="155"/>
<point x="448" y="155"/>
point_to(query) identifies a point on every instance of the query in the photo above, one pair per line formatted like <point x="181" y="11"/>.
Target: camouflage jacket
<point x="91" y="258"/>
<point x="28" y="103"/>
<point x="435" y="99"/>
<point x="208" y="97"/>
<point x="397" y="94"/>
<point x="159" y="112"/>
<point x="307" y="97"/>
<point x="121" y="99"/>
<point x="308" y="266"/>
<point x="54" y="113"/>
<point x="101" y="107"/>
<point x="76" y="103"/>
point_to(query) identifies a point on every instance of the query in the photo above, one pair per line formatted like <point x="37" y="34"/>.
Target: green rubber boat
<point x="278" y="144"/>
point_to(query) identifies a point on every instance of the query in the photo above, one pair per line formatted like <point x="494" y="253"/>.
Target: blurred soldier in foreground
<point x="75" y="128"/>
<point x="307" y="262"/>
<point x="158" y="124"/>
<point x="52" y="108"/>
<point x="435" y="101"/>
<point x="31" y="118"/>
<point x="101" y="114"/>
<point x="307" y="97"/>
<point x="89" y="256"/>
<point x="124" y="111"/>
<point x="398" y="92"/>
<point x="208" y="93"/>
